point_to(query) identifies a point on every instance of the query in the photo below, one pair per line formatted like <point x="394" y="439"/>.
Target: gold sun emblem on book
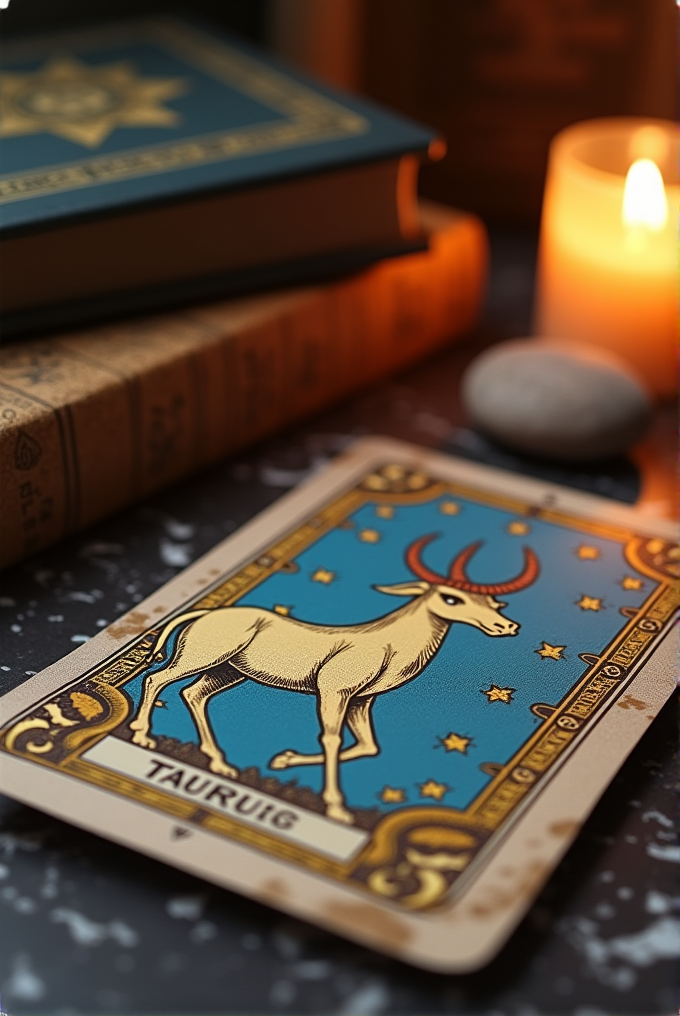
<point x="85" y="102"/>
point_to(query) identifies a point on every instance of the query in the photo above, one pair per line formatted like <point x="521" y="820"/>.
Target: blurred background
<point x="497" y="77"/>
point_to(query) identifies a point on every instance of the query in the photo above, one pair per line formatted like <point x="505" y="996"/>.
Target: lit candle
<point x="608" y="262"/>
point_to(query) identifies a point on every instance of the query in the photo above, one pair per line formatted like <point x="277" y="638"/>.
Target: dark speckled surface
<point x="89" y="928"/>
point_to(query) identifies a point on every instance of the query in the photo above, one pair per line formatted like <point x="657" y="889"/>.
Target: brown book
<point x="93" y="420"/>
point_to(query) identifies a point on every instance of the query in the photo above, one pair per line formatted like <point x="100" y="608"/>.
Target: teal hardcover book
<point x="103" y="130"/>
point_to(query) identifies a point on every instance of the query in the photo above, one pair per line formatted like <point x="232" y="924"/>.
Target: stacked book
<point x="199" y="247"/>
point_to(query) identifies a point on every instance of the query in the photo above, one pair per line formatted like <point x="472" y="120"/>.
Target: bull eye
<point x="449" y="600"/>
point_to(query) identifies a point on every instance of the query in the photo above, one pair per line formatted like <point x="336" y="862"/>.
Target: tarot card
<point x="386" y="705"/>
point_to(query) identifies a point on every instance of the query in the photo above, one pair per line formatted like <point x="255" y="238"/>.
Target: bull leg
<point x="151" y="689"/>
<point x="196" y="697"/>
<point x="332" y="706"/>
<point x="358" y="721"/>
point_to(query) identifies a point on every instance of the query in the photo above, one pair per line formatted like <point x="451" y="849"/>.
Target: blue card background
<point x="252" y="723"/>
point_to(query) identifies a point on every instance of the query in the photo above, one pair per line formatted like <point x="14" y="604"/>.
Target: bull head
<point x="454" y="597"/>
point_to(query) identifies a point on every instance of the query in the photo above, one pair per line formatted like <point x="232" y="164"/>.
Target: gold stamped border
<point x="309" y="118"/>
<point x="416" y="854"/>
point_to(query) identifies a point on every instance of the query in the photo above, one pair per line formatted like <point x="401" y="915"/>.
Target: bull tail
<point x="170" y="627"/>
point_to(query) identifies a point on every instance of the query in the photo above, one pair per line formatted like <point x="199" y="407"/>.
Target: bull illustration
<point x="345" y="666"/>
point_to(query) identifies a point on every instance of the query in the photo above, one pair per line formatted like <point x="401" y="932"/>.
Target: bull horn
<point x="416" y="565"/>
<point x="459" y="579"/>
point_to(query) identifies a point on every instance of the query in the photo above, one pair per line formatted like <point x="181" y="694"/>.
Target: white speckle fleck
<point x="661" y="853"/>
<point x="4" y="871"/>
<point x="90" y="933"/>
<point x="176" y="555"/>
<point x="274" y="476"/>
<point x="282" y="993"/>
<point x="286" y="945"/>
<point x="81" y="597"/>
<point x="625" y="893"/>
<point x="5" y="668"/>
<point x="23" y="983"/>
<point x="49" y="888"/>
<point x="606" y="876"/>
<point x="9" y="893"/>
<point x="370" y="998"/>
<point x="55" y="618"/>
<point x="630" y="838"/>
<point x="657" y="816"/>
<point x="660" y="903"/>
<point x="101" y="623"/>
<point x="185" y="908"/>
<point x="203" y="932"/>
<point x="98" y="549"/>
<point x="24" y="905"/>
<point x="312" y="970"/>
<point x="80" y="638"/>
<point x="603" y="911"/>
<point x="16" y="628"/>
<point x="11" y="842"/>
<point x="179" y="530"/>
<point x="659" y="941"/>
<point x="30" y="673"/>
<point x="123" y="934"/>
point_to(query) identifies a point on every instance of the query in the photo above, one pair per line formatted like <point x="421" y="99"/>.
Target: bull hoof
<point x="223" y="768"/>
<point x="284" y="759"/>
<point x="143" y="740"/>
<point x="339" y="814"/>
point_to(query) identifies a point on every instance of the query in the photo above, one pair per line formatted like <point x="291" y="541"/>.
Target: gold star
<point x="392" y="795"/>
<point x="549" y="652"/>
<point x="385" y="511"/>
<point x="590" y="603"/>
<point x="84" y="102"/>
<point x="518" y="528"/>
<point x="433" y="789"/>
<point x="284" y="611"/>
<point x="496" y="694"/>
<point x="369" y="535"/>
<point x="586" y="553"/>
<point x="322" y="575"/>
<point x="628" y="582"/>
<point x="455" y="742"/>
<point x="449" y="508"/>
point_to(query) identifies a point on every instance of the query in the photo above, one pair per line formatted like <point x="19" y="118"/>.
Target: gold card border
<point x="308" y="116"/>
<point x="417" y="854"/>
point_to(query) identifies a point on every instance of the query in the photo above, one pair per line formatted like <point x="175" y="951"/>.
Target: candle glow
<point x="608" y="262"/>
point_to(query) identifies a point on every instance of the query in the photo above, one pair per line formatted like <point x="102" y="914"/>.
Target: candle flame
<point x="644" y="197"/>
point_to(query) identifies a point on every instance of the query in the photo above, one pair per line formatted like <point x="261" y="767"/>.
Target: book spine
<point x="91" y="423"/>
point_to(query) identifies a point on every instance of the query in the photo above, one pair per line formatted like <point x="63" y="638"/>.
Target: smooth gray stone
<point x="556" y="399"/>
